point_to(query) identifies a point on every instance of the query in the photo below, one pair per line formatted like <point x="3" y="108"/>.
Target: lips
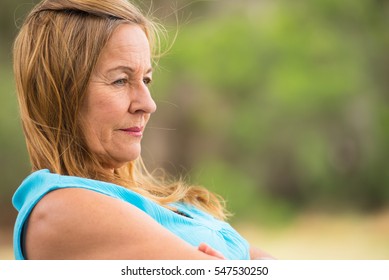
<point x="134" y="131"/>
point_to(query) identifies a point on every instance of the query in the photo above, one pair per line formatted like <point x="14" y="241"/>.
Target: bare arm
<point x="82" y="224"/>
<point x="205" y="248"/>
<point x="258" y="254"/>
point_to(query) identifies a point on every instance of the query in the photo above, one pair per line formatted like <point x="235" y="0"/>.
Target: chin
<point x="117" y="162"/>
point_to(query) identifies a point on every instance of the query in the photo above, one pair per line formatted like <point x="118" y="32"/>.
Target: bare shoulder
<point x="82" y="224"/>
<point x="72" y="223"/>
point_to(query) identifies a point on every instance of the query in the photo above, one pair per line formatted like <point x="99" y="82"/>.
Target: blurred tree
<point x="263" y="101"/>
<point x="288" y="94"/>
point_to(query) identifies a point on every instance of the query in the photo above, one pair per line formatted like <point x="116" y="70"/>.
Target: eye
<point x="147" y="81"/>
<point x="120" y="82"/>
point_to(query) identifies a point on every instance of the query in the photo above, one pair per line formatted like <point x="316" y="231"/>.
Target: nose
<point x="141" y="100"/>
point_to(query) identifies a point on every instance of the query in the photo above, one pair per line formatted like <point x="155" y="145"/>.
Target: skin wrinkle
<point x="88" y="39"/>
<point x="111" y="107"/>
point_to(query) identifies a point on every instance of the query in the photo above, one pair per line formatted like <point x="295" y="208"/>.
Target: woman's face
<point x="118" y="102"/>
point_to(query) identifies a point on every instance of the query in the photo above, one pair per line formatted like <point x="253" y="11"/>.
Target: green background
<point x="279" y="106"/>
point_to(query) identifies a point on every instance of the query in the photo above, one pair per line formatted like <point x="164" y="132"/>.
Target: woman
<point x="82" y="69"/>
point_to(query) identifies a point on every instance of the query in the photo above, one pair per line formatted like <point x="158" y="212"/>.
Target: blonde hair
<point x="55" y="53"/>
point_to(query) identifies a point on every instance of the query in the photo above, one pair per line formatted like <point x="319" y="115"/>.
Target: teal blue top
<point x="196" y="228"/>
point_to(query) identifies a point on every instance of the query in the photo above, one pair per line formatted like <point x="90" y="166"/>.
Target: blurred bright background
<point x="279" y="106"/>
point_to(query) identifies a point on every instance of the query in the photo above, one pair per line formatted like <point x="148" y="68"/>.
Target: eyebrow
<point x="128" y="69"/>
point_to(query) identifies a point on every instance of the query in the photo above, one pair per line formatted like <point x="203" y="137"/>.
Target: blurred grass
<point x="325" y="237"/>
<point x="276" y="115"/>
<point x="6" y="250"/>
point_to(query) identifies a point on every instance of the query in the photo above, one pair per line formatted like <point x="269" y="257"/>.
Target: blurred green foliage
<point x="291" y="99"/>
<point x="277" y="105"/>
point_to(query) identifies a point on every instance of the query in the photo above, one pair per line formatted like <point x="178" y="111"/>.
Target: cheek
<point x="106" y="112"/>
<point x="146" y="118"/>
<point x="98" y="122"/>
<point x="92" y="134"/>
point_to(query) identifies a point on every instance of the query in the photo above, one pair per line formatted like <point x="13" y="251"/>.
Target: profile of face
<point x="118" y="103"/>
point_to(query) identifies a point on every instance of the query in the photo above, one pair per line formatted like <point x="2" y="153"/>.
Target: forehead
<point x="128" y="46"/>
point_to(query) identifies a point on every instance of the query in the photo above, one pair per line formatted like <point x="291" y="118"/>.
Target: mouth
<point x="133" y="131"/>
